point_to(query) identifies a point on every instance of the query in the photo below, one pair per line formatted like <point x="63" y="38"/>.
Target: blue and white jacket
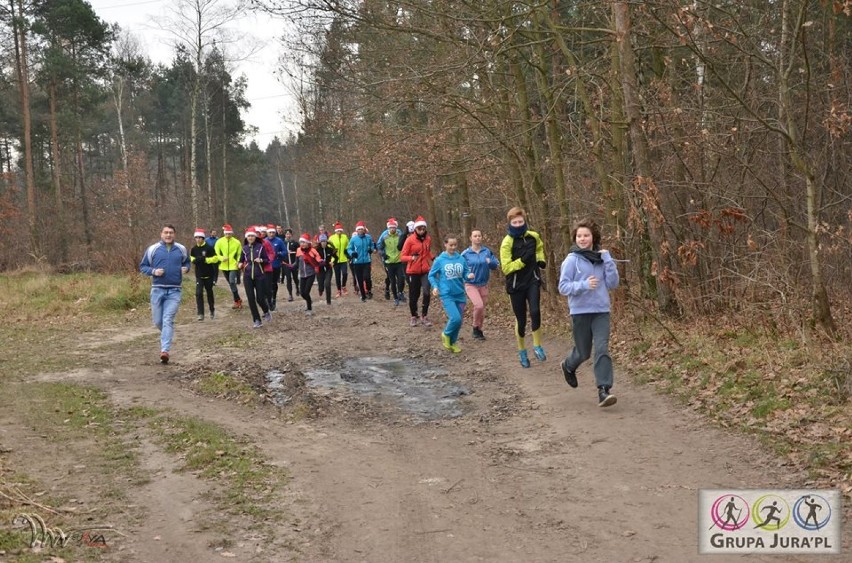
<point x="574" y="282"/>
<point x="448" y="274"/>
<point x="280" y="248"/>
<point x="170" y="258"/>
<point x="478" y="264"/>
<point x="363" y="246"/>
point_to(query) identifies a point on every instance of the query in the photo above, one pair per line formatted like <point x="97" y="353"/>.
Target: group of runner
<point x="263" y="260"/>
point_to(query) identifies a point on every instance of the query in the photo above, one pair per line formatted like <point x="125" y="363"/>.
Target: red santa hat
<point x="419" y="222"/>
<point x="199" y="233"/>
<point x="392" y="223"/>
<point x="251" y="231"/>
<point x="360" y="225"/>
<point x="306" y="237"/>
<point x="270" y="228"/>
<point x="338" y="227"/>
<point x="227" y="229"/>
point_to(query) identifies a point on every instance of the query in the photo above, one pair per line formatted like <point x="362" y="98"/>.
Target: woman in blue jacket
<point x="586" y="276"/>
<point x="481" y="261"/>
<point x="447" y="276"/>
<point x="360" y="252"/>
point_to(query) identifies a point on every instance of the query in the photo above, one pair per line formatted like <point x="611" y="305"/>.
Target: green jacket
<point x="228" y="251"/>
<point x="340" y="241"/>
<point x="520" y="276"/>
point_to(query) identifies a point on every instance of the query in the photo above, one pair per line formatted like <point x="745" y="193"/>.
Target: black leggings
<point x="324" y="278"/>
<point x="305" y="285"/>
<point x="273" y="283"/>
<point x="519" y="306"/>
<point x="256" y="294"/>
<point x="395" y="283"/>
<point x="341" y="275"/>
<point x="291" y="277"/>
<point x="202" y="285"/>
<point x="363" y="278"/>
<point x="416" y="283"/>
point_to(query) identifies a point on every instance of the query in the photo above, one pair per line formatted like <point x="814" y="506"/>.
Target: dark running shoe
<point x="605" y="398"/>
<point x="570" y="376"/>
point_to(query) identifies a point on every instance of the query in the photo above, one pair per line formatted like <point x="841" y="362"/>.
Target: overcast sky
<point x="273" y="111"/>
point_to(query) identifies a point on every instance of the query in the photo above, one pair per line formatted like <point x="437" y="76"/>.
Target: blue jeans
<point x="164" y="306"/>
<point x="455" y="312"/>
<point x="231" y="276"/>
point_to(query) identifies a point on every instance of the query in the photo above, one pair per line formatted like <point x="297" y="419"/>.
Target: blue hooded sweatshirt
<point x="448" y="274"/>
<point x="477" y="263"/>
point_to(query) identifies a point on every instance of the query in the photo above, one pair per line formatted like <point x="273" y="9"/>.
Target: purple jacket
<point x="250" y="252"/>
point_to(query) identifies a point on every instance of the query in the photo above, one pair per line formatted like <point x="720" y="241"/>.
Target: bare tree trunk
<point x="512" y="159"/>
<point x="224" y="153"/>
<point x="193" y="138"/>
<point x="56" y="156"/>
<point x="437" y="186"/>
<point x="118" y="101"/>
<point x="22" y="71"/>
<point x="161" y="172"/>
<point x="87" y="230"/>
<point x="613" y="193"/>
<point x="554" y="143"/>
<point x="208" y="139"/>
<point x="296" y="197"/>
<point x="643" y="182"/>
<point x="820" y="305"/>
<point x="283" y="196"/>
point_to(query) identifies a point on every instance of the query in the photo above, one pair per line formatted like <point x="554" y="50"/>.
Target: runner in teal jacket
<point x="447" y="276"/>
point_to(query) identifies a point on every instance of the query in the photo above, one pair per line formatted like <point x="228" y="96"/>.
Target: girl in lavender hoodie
<point x="586" y="276"/>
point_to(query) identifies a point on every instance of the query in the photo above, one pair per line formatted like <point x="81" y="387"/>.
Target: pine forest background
<point x="712" y="139"/>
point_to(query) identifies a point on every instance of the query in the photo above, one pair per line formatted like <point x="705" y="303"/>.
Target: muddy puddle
<point x="417" y="390"/>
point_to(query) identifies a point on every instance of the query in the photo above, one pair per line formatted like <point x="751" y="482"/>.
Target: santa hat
<point x="338" y="227"/>
<point x="270" y="228"/>
<point x="251" y="231"/>
<point x="306" y="237"/>
<point x="392" y="223"/>
<point x="419" y="222"/>
<point x="410" y="226"/>
<point x="199" y="233"/>
<point x="360" y="225"/>
<point x="227" y="229"/>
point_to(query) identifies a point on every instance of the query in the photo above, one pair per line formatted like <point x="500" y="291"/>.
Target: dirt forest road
<point x="399" y="451"/>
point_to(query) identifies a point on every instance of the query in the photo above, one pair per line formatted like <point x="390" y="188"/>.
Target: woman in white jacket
<point x="586" y="276"/>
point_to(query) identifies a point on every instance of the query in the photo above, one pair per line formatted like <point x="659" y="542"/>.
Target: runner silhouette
<point x="729" y="513"/>
<point x="812" y="508"/>
<point x="773" y="510"/>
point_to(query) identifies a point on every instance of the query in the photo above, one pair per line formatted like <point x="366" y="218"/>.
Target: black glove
<point x="528" y="256"/>
<point x="371" y="251"/>
<point x="542" y="264"/>
<point x="353" y="255"/>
